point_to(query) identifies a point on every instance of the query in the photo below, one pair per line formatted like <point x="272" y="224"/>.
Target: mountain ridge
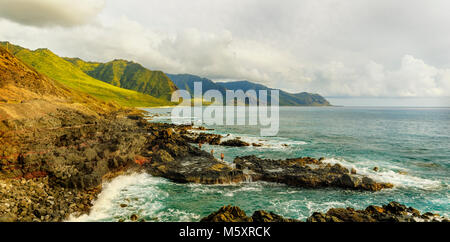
<point x="129" y="75"/>
<point x="186" y="82"/>
<point x="70" y="75"/>
<point x="285" y="98"/>
<point x="26" y="94"/>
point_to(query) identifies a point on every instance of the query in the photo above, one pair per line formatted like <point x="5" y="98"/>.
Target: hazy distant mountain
<point x="285" y="98"/>
<point x="186" y="82"/>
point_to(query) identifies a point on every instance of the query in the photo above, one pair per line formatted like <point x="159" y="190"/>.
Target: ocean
<point x="410" y="146"/>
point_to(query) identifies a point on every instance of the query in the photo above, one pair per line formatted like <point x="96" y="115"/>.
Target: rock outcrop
<point x="305" y="172"/>
<point x="235" y="214"/>
<point x="202" y="138"/>
<point x="234" y="143"/>
<point x="174" y="158"/>
<point x="392" y="212"/>
<point x="38" y="200"/>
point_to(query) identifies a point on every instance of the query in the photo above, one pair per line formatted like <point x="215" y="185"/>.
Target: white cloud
<point x="414" y="78"/>
<point x="328" y="47"/>
<point x="217" y="55"/>
<point x="50" y="12"/>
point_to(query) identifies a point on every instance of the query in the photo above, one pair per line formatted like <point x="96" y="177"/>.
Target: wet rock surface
<point x="62" y="165"/>
<point x="392" y="212"/>
<point x="235" y="214"/>
<point x="235" y="143"/>
<point x="48" y="173"/>
<point x="66" y="162"/>
<point x="174" y="158"/>
<point x="305" y="172"/>
<point x="205" y="138"/>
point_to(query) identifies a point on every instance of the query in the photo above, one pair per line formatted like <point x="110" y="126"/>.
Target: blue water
<point x="411" y="147"/>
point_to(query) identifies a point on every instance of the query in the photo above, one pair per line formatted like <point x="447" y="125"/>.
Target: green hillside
<point x="285" y="98"/>
<point x="129" y="75"/>
<point x="57" y="68"/>
<point x="85" y="66"/>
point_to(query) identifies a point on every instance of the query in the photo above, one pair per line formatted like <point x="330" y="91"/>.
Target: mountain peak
<point x="129" y="75"/>
<point x="285" y="98"/>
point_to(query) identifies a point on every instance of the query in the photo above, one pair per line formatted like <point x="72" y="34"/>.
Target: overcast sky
<point x="352" y="48"/>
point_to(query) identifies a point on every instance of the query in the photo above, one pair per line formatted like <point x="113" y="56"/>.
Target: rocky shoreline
<point x="391" y="212"/>
<point x="306" y="172"/>
<point x="180" y="163"/>
<point x="49" y="173"/>
<point x="58" y="146"/>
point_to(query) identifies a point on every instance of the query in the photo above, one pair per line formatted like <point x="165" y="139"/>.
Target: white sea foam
<point x="324" y="206"/>
<point x="203" y="189"/>
<point x="107" y="205"/>
<point x="388" y="174"/>
<point x="229" y="190"/>
<point x="178" y="215"/>
<point x="266" y="142"/>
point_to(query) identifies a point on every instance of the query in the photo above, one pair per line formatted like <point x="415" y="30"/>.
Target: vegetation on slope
<point x="129" y="75"/>
<point x="27" y="94"/>
<point x="70" y="75"/>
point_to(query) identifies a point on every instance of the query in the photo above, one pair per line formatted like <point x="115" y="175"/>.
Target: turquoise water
<point x="411" y="146"/>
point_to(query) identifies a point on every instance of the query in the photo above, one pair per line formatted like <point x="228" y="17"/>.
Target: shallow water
<point x="412" y="141"/>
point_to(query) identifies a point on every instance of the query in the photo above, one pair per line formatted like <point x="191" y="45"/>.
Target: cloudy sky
<point x="353" y="48"/>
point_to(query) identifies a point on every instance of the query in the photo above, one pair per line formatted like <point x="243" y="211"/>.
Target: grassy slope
<point x="26" y="94"/>
<point x="57" y="68"/>
<point x="129" y="75"/>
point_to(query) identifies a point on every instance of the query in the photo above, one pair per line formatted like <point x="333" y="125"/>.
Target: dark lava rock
<point x="202" y="169"/>
<point x="263" y="216"/>
<point x="234" y="143"/>
<point x="392" y="212"/>
<point x="227" y="214"/>
<point x="134" y="217"/>
<point x="235" y="214"/>
<point x="174" y="158"/>
<point x="205" y="138"/>
<point x="305" y="172"/>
